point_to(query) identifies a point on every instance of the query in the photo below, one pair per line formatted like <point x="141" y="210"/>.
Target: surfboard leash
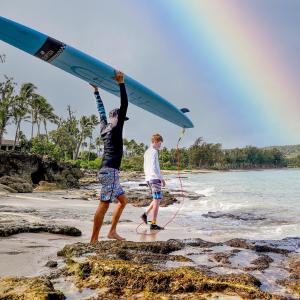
<point x="181" y="189"/>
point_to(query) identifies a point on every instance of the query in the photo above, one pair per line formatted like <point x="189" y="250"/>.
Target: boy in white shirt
<point x="154" y="179"/>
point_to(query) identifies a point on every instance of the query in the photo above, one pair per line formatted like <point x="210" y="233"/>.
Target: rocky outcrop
<point x="28" y="289"/>
<point x="169" y="270"/>
<point x="17" y="183"/>
<point x="129" y="270"/>
<point x="13" y="224"/>
<point x="20" y="171"/>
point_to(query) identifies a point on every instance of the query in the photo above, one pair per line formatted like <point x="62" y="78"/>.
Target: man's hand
<point x="95" y="87"/>
<point x="119" y="77"/>
<point x="163" y="183"/>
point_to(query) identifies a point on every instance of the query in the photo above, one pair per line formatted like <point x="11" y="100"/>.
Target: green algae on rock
<point x="22" y="288"/>
<point x="118" y="268"/>
<point x="127" y="279"/>
<point x="162" y="247"/>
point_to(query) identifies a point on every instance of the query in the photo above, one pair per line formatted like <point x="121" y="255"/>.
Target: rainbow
<point x="245" y="63"/>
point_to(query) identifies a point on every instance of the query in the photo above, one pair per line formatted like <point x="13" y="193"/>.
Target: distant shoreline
<point x="195" y="171"/>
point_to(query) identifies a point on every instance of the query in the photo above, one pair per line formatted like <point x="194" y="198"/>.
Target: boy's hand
<point x="119" y="77"/>
<point x="95" y="87"/>
<point x="163" y="183"/>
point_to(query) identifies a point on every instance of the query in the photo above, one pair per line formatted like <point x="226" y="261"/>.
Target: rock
<point x="261" y="263"/>
<point x="199" y="243"/>
<point x="142" y="198"/>
<point x="17" y="183"/>
<point x="266" y="248"/>
<point x="6" y="189"/>
<point x="33" y="169"/>
<point x="10" y="225"/>
<point x="132" y="176"/>
<point x="65" y="174"/>
<point x="292" y="283"/>
<point x="124" y="276"/>
<point x="47" y="186"/>
<point x="51" y="264"/>
<point x="13" y="209"/>
<point x="223" y="258"/>
<point x="154" y="270"/>
<point x="112" y="247"/>
<point x="239" y="243"/>
<point x="234" y="216"/>
<point x="18" y="163"/>
<point x="36" y="288"/>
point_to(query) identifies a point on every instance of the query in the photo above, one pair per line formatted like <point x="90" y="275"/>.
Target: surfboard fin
<point x="185" y="110"/>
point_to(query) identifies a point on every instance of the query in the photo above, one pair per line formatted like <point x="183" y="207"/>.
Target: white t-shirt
<point x="151" y="164"/>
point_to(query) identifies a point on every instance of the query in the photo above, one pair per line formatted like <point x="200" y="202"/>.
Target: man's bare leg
<point x="115" y="218"/>
<point x="98" y="220"/>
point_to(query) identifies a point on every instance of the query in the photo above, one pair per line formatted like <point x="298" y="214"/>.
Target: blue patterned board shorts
<point x="155" y="187"/>
<point x="110" y="184"/>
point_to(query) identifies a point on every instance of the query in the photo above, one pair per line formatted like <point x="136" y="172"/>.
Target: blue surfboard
<point x="89" y="69"/>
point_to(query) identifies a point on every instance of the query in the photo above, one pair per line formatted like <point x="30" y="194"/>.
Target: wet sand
<point x="27" y="253"/>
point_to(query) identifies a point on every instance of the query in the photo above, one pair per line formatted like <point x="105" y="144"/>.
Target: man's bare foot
<point x="94" y="242"/>
<point x="115" y="236"/>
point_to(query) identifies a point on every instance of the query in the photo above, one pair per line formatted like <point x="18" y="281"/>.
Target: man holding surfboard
<point x="111" y="132"/>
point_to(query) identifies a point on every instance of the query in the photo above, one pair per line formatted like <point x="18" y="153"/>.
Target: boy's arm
<point x="155" y="166"/>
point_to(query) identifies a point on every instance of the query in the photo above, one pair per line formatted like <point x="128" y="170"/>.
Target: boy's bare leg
<point x="149" y="208"/>
<point x="98" y="220"/>
<point x="115" y="218"/>
<point x="155" y="208"/>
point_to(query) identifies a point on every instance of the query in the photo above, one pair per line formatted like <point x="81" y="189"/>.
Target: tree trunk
<point x="17" y="133"/>
<point x="89" y="149"/>
<point x="31" y="130"/>
<point x="38" y="129"/>
<point x="46" y="131"/>
<point x="78" y="148"/>
<point x="1" y="136"/>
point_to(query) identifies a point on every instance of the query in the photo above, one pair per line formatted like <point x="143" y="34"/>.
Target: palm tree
<point x="99" y="144"/>
<point x="46" y="113"/>
<point x="21" y="107"/>
<point x="87" y="125"/>
<point x="6" y="103"/>
<point x="28" y="92"/>
<point x="38" y="106"/>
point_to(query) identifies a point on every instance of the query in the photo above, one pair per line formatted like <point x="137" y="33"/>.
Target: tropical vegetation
<point x="74" y="138"/>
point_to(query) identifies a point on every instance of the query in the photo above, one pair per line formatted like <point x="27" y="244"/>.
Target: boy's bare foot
<point x="115" y="236"/>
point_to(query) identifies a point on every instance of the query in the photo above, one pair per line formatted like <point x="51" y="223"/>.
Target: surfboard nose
<point x="22" y="37"/>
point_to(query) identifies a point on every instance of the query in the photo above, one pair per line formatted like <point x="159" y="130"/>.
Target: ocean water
<point x="252" y="204"/>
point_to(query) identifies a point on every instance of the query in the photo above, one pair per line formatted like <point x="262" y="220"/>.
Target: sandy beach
<point x="27" y="253"/>
<point x="31" y="247"/>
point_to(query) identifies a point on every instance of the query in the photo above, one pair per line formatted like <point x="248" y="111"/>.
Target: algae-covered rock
<point x="17" y="183"/>
<point x="162" y="247"/>
<point x="131" y="269"/>
<point x="292" y="283"/>
<point x="28" y="289"/>
<point x="128" y="278"/>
